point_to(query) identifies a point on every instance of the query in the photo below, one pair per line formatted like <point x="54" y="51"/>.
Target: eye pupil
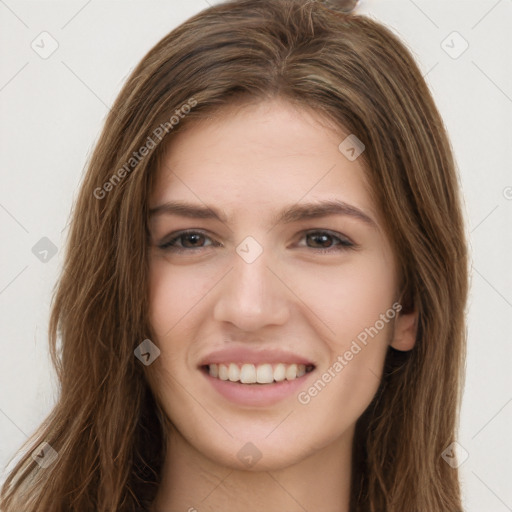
<point x="322" y="239"/>
<point x="194" y="238"/>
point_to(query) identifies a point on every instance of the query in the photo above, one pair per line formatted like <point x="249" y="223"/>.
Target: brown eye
<point x="187" y="240"/>
<point x="320" y="240"/>
<point x="192" y="239"/>
<point x="327" y="241"/>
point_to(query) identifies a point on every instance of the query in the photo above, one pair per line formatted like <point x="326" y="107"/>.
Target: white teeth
<point x="279" y="372"/>
<point x="262" y="374"/>
<point x="223" y="372"/>
<point x="214" y="370"/>
<point x="291" y="372"/>
<point x="248" y="374"/>
<point x="233" y="372"/>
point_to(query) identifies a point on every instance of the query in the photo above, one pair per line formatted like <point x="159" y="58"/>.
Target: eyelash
<point x="343" y="244"/>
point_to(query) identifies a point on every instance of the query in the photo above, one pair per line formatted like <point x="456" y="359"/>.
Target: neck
<point x="192" y="482"/>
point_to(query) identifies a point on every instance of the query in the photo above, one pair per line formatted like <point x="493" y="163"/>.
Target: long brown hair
<point x="107" y="428"/>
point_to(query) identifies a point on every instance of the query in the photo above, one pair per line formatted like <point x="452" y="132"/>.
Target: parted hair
<point x="107" y="427"/>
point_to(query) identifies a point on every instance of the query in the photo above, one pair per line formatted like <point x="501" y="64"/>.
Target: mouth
<point x="256" y="374"/>
<point x="249" y="385"/>
<point x="247" y="377"/>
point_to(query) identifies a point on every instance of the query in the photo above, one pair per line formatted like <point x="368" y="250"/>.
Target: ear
<point x="406" y="327"/>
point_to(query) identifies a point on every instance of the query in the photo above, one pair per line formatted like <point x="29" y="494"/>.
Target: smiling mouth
<point x="266" y="373"/>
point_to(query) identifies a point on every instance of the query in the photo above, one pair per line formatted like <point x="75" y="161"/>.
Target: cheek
<point x="355" y="301"/>
<point x="349" y="298"/>
<point x="173" y="292"/>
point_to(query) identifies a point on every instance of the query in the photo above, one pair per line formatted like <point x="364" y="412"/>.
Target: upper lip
<point x="246" y="355"/>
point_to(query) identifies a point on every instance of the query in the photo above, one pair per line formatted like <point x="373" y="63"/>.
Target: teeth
<point x="280" y="372"/>
<point x="248" y="374"/>
<point x="223" y="372"/>
<point x="291" y="372"/>
<point x="265" y="374"/>
<point x="233" y="372"/>
<point x="261" y="374"/>
<point x="214" y="370"/>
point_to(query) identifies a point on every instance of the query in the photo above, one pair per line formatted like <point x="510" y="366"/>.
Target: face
<point x="273" y="287"/>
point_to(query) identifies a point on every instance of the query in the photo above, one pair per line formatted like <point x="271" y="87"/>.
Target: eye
<point x="319" y="240"/>
<point x="326" y="241"/>
<point x="187" y="240"/>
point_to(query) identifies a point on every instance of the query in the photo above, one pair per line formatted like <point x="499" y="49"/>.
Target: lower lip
<point x="259" y="395"/>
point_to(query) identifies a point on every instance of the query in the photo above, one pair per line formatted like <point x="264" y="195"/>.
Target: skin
<point x="252" y="161"/>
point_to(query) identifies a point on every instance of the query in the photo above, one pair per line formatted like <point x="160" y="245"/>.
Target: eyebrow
<point x="293" y="213"/>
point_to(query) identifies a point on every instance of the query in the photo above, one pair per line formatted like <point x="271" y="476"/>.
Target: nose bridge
<point x="251" y="296"/>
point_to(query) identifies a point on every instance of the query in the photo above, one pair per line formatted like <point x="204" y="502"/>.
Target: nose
<point x="251" y="297"/>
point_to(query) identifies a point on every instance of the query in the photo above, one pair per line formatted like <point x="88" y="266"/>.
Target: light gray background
<point x="51" y="112"/>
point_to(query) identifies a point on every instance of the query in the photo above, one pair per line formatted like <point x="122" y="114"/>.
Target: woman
<point x="262" y="303"/>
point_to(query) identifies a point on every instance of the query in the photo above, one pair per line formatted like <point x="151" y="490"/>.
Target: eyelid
<point x="344" y="241"/>
<point x="178" y="234"/>
<point x="330" y="232"/>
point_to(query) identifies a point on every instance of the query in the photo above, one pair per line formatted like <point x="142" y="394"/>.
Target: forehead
<point x="258" y="155"/>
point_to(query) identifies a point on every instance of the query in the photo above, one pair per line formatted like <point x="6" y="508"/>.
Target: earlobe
<point x="406" y="327"/>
